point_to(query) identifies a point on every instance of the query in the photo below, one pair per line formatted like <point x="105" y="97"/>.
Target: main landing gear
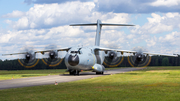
<point x="74" y="72"/>
<point x="98" y="73"/>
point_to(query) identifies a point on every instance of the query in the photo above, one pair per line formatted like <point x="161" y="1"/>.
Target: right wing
<point x="61" y="49"/>
<point x="14" y="53"/>
<point x="42" y="52"/>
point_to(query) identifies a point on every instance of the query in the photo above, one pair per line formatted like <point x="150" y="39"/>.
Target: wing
<point x="42" y="52"/>
<point x="129" y="51"/>
<point x="14" y="53"/>
<point x="108" y="49"/>
<point x="61" y="49"/>
<point x="160" y="54"/>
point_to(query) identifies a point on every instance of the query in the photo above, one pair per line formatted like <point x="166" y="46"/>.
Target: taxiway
<point x="47" y="80"/>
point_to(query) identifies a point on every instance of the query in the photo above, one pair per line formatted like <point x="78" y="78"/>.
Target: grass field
<point x="4" y="75"/>
<point x="15" y="74"/>
<point x="152" y="84"/>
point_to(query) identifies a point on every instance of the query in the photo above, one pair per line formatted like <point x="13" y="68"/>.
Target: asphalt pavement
<point x="47" y="80"/>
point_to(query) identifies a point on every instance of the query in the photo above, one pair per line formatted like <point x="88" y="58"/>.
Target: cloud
<point x="50" y="1"/>
<point x="158" y="24"/>
<point x="68" y="36"/>
<point x="151" y="41"/>
<point x="53" y="15"/>
<point x="171" y="39"/>
<point x="168" y="43"/>
<point x="14" y="14"/>
<point x="124" y="6"/>
<point x="63" y="36"/>
<point x="49" y="23"/>
<point x="138" y="6"/>
<point x="167" y="3"/>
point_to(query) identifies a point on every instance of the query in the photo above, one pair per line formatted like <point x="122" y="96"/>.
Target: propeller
<point x="113" y="59"/>
<point x="28" y="58"/>
<point x="139" y="59"/>
<point x="51" y="57"/>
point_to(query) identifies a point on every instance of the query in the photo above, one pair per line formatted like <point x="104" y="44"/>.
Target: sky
<point x="40" y="23"/>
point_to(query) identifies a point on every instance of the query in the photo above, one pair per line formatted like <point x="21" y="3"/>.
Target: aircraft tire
<point x="76" y="72"/>
<point x="99" y="73"/>
<point x="72" y="72"/>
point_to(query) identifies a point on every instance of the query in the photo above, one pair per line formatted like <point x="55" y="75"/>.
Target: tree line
<point x="155" y="61"/>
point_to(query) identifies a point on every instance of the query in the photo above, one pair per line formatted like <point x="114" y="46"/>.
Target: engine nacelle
<point x="98" y="68"/>
<point x="29" y="60"/>
<point x="112" y="55"/>
<point x="139" y="57"/>
<point x="29" y="56"/>
<point x="53" y="54"/>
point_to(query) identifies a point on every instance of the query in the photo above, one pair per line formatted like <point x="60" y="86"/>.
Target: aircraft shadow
<point x="82" y="74"/>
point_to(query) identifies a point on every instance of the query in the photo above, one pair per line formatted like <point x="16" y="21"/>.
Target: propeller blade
<point x="51" y="58"/>
<point x="28" y="59"/>
<point x="139" y="59"/>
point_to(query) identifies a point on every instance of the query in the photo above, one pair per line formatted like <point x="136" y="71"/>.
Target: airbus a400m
<point x="85" y="58"/>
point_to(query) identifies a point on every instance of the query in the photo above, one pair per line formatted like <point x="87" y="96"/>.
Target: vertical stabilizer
<point x="99" y="25"/>
<point x="98" y="33"/>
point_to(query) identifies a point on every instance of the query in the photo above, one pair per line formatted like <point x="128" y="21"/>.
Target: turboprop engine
<point x="53" y="54"/>
<point x="113" y="59"/>
<point x="28" y="58"/>
<point x="51" y="57"/>
<point x="112" y="55"/>
<point x="139" y="59"/>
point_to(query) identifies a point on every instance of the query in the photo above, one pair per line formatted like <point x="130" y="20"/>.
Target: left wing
<point x="129" y="51"/>
<point x="108" y="49"/>
<point x="160" y="54"/>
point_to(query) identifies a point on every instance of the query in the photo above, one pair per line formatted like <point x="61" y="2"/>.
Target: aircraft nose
<point x="73" y="60"/>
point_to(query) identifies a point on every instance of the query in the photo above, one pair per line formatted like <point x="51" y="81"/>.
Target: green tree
<point x="156" y="62"/>
<point x="165" y="61"/>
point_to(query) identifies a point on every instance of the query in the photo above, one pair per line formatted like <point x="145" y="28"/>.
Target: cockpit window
<point x="75" y="52"/>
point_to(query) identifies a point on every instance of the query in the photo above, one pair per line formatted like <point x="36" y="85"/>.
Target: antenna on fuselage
<point x="99" y="25"/>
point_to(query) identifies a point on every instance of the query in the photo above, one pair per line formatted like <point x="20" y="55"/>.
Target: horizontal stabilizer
<point x="90" y="24"/>
<point x="105" y="24"/>
<point x="102" y="24"/>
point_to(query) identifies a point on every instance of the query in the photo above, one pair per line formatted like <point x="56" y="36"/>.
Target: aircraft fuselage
<point x="82" y="58"/>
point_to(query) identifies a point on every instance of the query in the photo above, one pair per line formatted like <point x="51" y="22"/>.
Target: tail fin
<point x="98" y="31"/>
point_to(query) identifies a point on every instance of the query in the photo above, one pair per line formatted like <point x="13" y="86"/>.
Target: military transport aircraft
<point x="82" y="58"/>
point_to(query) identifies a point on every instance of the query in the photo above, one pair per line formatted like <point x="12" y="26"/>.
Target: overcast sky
<point x="39" y="23"/>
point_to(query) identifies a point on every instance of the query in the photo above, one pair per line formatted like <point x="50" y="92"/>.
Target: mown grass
<point x="152" y="84"/>
<point x="16" y="74"/>
<point x="4" y="75"/>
